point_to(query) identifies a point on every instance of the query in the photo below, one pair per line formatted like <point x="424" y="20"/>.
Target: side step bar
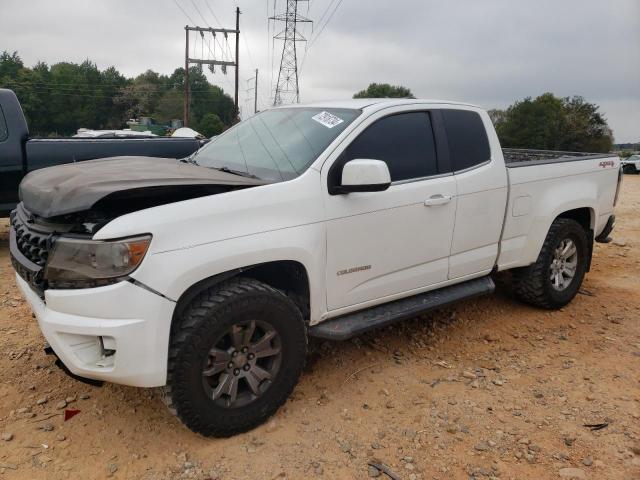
<point x="352" y="324"/>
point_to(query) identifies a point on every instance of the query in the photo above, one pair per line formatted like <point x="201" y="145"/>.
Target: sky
<point x="486" y="52"/>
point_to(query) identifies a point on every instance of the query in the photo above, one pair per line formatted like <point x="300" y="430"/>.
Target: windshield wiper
<point x="190" y="159"/>
<point x="236" y="172"/>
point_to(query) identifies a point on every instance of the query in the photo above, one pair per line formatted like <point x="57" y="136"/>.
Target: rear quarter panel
<point x="540" y="193"/>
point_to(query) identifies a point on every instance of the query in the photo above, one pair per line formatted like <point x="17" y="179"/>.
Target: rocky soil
<point x="487" y="389"/>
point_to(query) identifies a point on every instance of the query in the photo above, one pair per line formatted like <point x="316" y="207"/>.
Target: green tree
<point x="585" y="129"/>
<point x="10" y="65"/>
<point x="497" y="116"/>
<point x="142" y="95"/>
<point x="551" y="123"/>
<point x="170" y="106"/>
<point x="204" y="97"/>
<point x="384" y="90"/>
<point x="210" y="125"/>
<point x="59" y="99"/>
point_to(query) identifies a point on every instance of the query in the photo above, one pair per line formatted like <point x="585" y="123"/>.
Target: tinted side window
<point x="4" y="133"/>
<point x="404" y="141"/>
<point x="467" y="138"/>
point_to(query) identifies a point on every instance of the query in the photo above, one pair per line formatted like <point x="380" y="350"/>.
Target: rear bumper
<point x="603" y="237"/>
<point x="118" y="333"/>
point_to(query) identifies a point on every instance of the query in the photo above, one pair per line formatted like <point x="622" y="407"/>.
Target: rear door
<point x="481" y="182"/>
<point x="385" y="244"/>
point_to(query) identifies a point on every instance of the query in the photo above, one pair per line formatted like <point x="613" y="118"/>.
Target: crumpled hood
<point x="75" y="187"/>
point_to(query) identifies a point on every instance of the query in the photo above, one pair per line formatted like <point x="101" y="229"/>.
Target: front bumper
<point x="118" y="333"/>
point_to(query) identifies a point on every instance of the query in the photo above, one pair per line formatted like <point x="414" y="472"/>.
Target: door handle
<point x="437" y="200"/>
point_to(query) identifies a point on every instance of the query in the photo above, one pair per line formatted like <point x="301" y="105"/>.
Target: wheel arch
<point x="289" y="276"/>
<point x="585" y="216"/>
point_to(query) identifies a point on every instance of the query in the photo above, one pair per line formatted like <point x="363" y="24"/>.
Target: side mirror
<point x="363" y="175"/>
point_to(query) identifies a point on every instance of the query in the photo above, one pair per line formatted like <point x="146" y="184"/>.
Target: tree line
<point x="544" y="123"/>
<point x="59" y="99"/>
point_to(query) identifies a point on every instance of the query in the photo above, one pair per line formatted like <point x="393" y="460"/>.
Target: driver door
<point x="383" y="245"/>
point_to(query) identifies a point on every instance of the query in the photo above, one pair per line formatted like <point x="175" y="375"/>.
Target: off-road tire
<point x="533" y="285"/>
<point x="210" y="313"/>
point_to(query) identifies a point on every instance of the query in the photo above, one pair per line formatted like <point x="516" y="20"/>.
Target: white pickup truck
<point x="206" y="276"/>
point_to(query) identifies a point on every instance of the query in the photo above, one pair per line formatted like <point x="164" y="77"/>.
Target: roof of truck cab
<point x="374" y="103"/>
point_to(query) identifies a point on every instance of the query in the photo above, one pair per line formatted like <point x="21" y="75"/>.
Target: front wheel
<point x="555" y="278"/>
<point x="629" y="169"/>
<point x="235" y="357"/>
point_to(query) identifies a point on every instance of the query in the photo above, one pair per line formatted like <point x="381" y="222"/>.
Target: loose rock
<point x="112" y="468"/>
<point x="373" y="471"/>
<point x="572" y="473"/>
<point x="47" y="427"/>
<point x="482" y="446"/>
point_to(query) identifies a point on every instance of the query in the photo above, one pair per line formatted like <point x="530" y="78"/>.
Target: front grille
<point x="29" y="246"/>
<point x="35" y="245"/>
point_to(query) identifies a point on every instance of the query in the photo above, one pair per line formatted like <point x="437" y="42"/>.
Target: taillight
<point x="620" y="175"/>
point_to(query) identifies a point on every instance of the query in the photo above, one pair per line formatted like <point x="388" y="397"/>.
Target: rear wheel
<point x="235" y="357"/>
<point x="555" y="278"/>
<point x="629" y="169"/>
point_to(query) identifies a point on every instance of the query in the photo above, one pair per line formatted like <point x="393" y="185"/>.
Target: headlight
<point x="77" y="263"/>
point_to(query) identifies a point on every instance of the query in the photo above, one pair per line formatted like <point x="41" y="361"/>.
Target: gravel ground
<point x="489" y="388"/>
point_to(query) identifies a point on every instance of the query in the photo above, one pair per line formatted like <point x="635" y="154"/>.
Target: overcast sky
<point x="486" y="52"/>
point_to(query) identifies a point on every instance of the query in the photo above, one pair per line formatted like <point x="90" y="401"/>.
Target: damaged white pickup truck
<point x="207" y="275"/>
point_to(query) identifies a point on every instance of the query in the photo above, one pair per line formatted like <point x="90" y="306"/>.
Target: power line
<point x="319" y="22"/>
<point x="315" y="38"/>
<point x="71" y="87"/>
<point x="199" y="13"/>
<point x="184" y="12"/>
<point x="212" y="13"/>
<point x="214" y="37"/>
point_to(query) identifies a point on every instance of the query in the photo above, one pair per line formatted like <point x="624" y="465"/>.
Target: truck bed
<point x="515" y="157"/>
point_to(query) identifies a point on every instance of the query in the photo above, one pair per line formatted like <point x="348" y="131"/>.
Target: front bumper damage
<point x="118" y="333"/>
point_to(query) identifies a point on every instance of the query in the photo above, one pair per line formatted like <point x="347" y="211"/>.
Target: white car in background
<point x="631" y="164"/>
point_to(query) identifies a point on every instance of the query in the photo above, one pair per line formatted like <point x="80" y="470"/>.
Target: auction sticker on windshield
<point x="327" y="119"/>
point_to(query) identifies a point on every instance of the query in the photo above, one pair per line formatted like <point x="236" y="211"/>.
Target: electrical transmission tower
<point x="287" y="89"/>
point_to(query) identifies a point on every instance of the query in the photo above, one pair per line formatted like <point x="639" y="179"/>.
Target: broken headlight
<point x="78" y="263"/>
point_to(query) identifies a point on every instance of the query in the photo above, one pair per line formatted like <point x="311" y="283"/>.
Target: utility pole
<point x="237" y="54"/>
<point x="211" y="62"/>
<point x="287" y="87"/>
<point x="255" y="95"/>
<point x="255" y="91"/>
<point x="185" y="121"/>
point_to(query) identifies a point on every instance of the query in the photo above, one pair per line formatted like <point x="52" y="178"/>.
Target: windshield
<point x="278" y="144"/>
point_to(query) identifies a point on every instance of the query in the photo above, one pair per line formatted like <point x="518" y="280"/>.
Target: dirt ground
<point x="489" y="388"/>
